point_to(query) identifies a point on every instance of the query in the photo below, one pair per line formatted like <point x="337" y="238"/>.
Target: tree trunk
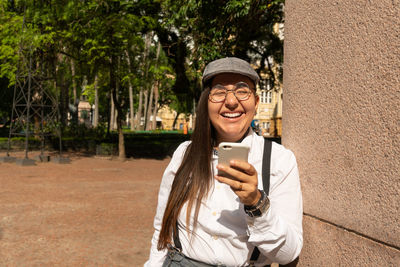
<point x="149" y="111"/>
<point x="194" y="114"/>
<point x="146" y="91"/>
<point x="139" y="112"/>
<point x="155" y="109"/>
<point x="108" y="114"/>
<point x="73" y="80"/>
<point x="145" y="67"/>
<point x="112" y="112"/>
<point x="175" y="120"/>
<point x="96" y="103"/>
<point x="154" y="89"/>
<point x="114" y="109"/>
<point x="145" y="104"/>
<point x="74" y="115"/>
<point x="131" y="113"/>
<point x="63" y="88"/>
<point x="118" y="107"/>
<point x="121" y="140"/>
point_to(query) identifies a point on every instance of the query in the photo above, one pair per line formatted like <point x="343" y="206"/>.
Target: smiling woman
<point x="205" y="219"/>
<point x="232" y="117"/>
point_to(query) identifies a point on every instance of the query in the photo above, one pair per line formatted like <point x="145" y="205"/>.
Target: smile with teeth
<point x="231" y="114"/>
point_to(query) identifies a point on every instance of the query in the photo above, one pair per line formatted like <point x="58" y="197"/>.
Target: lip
<point x="232" y="115"/>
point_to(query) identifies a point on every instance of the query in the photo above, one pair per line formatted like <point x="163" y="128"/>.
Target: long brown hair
<point x="193" y="179"/>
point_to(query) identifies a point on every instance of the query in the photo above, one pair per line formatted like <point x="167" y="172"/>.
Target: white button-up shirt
<point x="225" y="234"/>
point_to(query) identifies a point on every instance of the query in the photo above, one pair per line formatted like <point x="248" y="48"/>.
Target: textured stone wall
<point x="341" y="117"/>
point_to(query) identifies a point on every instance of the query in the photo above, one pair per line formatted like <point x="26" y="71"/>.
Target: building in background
<point x="168" y="115"/>
<point x="269" y="112"/>
<point x="84" y="112"/>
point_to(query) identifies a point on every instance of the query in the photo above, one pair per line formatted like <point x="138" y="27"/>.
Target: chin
<point x="231" y="136"/>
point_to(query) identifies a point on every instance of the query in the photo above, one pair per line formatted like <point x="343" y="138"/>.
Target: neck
<point x="218" y="141"/>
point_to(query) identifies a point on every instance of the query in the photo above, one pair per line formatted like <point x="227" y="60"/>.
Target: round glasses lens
<point x="242" y="93"/>
<point x="218" y="94"/>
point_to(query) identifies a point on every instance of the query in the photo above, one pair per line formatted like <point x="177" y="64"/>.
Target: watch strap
<point x="258" y="209"/>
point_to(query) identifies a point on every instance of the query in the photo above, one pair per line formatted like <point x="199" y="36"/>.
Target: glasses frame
<point x="251" y="91"/>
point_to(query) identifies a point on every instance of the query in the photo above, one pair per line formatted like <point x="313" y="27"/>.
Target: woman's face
<point x="231" y="118"/>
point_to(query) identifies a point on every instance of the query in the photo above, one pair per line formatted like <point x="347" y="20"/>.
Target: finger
<point x="234" y="174"/>
<point x="234" y="184"/>
<point x="243" y="166"/>
<point x="229" y="172"/>
<point x="240" y="187"/>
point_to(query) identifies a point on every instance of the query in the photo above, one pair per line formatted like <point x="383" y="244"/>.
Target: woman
<point x="203" y="219"/>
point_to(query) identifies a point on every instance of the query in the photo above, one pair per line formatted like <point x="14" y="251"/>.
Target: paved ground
<point x="92" y="212"/>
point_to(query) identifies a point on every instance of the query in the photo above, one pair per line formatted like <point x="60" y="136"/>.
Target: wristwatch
<point x="260" y="208"/>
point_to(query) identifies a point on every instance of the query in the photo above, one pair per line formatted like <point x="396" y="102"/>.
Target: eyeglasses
<point x="219" y="92"/>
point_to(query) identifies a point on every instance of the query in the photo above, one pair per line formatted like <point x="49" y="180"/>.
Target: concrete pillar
<point x="341" y="117"/>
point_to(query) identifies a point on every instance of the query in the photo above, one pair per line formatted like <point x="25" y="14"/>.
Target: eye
<point x="242" y="91"/>
<point x="219" y="92"/>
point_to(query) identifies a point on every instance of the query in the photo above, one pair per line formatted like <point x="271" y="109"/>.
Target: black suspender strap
<point x="177" y="242"/>
<point x="266" y="165"/>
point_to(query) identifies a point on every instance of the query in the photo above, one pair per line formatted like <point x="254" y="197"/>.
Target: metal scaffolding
<point x="35" y="111"/>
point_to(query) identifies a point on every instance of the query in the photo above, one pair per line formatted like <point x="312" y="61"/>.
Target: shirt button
<point x="214" y="213"/>
<point x="215" y="237"/>
<point x="218" y="187"/>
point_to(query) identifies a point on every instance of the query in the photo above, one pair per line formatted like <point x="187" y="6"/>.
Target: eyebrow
<point x="238" y="83"/>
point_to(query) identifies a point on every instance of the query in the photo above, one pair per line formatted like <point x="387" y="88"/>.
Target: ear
<point x="257" y="99"/>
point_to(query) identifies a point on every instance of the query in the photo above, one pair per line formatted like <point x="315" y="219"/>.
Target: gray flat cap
<point x="229" y="65"/>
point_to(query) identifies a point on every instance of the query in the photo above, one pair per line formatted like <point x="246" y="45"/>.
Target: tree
<point x="10" y="35"/>
<point x="6" y="96"/>
<point x="200" y="31"/>
<point x="112" y="23"/>
<point x="105" y="43"/>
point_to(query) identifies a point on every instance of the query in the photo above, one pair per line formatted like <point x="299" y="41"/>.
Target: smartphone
<point x="228" y="151"/>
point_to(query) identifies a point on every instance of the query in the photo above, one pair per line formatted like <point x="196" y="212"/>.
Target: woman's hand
<point x="243" y="181"/>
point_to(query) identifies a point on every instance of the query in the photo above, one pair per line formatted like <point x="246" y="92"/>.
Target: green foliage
<point x="75" y="41"/>
<point x="10" y="29"/>
<point x="214" y="29"/>
<point x="76" y="130"/>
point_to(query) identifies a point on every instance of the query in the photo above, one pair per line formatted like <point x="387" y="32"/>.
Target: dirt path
<point x="92" y="212"/>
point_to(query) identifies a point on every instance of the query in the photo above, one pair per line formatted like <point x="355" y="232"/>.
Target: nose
<point x="231" y="101"/>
